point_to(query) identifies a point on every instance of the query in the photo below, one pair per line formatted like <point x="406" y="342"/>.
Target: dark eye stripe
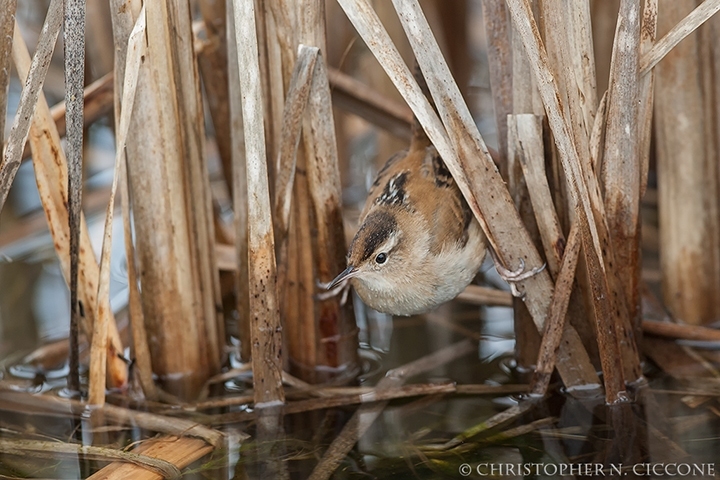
<point x="376" y="229"/>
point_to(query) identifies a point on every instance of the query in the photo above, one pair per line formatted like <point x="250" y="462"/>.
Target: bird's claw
<point x="343" y="288"/>
<point x="518" y="275"/>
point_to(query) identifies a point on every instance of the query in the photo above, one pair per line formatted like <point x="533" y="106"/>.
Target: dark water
<point x="660" y="435"/>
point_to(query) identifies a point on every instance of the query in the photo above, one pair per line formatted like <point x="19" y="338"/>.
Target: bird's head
<point x="377" y="253"/>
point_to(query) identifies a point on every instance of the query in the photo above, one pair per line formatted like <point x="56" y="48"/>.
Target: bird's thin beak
<point x="346" y="274"/>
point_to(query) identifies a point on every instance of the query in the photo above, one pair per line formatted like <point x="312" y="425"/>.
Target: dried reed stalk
<point x="685" y="82"/>
<point x="335" y="401"/>
<point x="123" y="15"/>
<point x="571" y="58"/>
<point x="524" y="99"/>
<point x="285" y="170"/>
<point x="124" y="18"/>
<point x="53" y="450"/>
<point x="480" y="182"/>
<point x="307" y="183"/>
<point x="51" y="174"/>
<point x="296" y="273"/>
<point x="525" y="136"/>
<point x="100" y="53"/>
<point x="7" y="24"/>
<point x="271" y="70"/>
<point x="198" y="201"/>
<point x="646" y="90"/>
<point x="361" y="394"/>
<point x="141" y="350"/>
<point x="500" y="61"/>
<point x="566" y="34"/>
<point x="621" y="159"/>
<point x="96" y="394"/>
<point x="240" y="196"/>
<point x="582" y="57"/>
<point x="526" y="142"/>
<point x="213" y="63"/>
<point x="336" y="339"/>
<point x="556" y="316"/>
<point x="98" y="99"/>
<point x="674" y="36"/>
<point x="264" y="313"/>
<point x="300" y="334"/>
<point x="295" y="103"/>
<point x="21" y="402"/>
<point x="170" y="206"/>
<point x="74" y="42"/>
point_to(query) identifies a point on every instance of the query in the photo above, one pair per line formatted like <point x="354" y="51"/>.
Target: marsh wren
<point x="418" y="245"/>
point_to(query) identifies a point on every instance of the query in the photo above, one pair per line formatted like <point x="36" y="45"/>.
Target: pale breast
<point x="442" y="277"/>
<point x="418" y="187"/>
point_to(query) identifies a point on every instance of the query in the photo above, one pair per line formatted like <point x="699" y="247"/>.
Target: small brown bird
<point x="418" y="245"/>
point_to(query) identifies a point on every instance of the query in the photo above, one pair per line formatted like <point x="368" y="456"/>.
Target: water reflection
<point x="410" y="438"/>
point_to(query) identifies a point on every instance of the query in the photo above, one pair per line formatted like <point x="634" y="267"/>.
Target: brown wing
<point x="419" y="182"/>
<point x="451" y="215"/>
<point x="383" y="178"/>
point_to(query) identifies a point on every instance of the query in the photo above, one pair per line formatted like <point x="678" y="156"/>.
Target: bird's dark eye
<point x="381" y="258"/>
